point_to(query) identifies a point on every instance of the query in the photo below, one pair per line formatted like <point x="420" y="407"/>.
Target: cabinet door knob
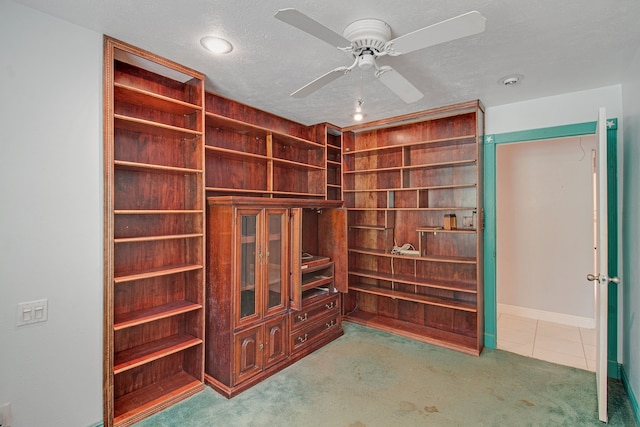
<point x="302" y="318"/>
<point x="330" y="305"/>
<point x="330" y="324"/>
<point x="261" y="346"/>
<point x="302" y="338"/>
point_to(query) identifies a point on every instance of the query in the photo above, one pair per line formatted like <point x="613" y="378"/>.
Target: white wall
<point x="544" y="229"/>
<point x="566" y="109"/>
<point x="51" y="219"/>
<point x="631" y="228"/>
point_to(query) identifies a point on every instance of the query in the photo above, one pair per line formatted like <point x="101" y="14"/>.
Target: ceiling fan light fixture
<point x="366" y="60"/>
<point x="357" y="116"/>
<point x="216" y="45"/>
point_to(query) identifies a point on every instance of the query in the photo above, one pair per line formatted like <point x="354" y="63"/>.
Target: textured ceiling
<point x="559" y="46"/>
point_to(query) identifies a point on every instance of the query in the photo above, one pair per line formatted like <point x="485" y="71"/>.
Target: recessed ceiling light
<point x="357" y="116"/>
<point x="216" y="44"/>
<point x="510" y="80"/>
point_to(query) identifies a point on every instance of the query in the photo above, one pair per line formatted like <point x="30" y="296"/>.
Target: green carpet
<point x="369" y="378"/>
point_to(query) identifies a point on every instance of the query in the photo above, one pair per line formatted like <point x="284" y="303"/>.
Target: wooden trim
<point x="435" y="113"/>
<point x="267" y="202"/>
<point x="115" y="43"/>
<point x="108" y="131"/>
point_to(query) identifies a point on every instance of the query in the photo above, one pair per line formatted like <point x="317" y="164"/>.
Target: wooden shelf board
<point x="156" y="272"/>
<point x="296" y="165"/>
<point x="136" y="96"/>
<point x="292" y="193"/>
<point x="156" y="238"/>
<point x="465" y="287"/>
<point x="315" y="263"/>
<point x="138" y="317"/>
<point x="422" y="299"/>
<point x="316" y="282"/>
<point x="141" y="403"/>
<point x="380" y="252"/>
<point x="121" y="164"/>
<point x="411" y="167"/>
<point x="450" y="340"/>
<point x="233" y="125"/>
<point x="464" y="139"/>
<point x="442" y="230"/>
<point x="237" y="126"/>
<point x="155" y="128"/>
<point x="158" y="212"/>
<point x="140" y="355"/>
<point x="432" y="187"/>
<point x="235" y="154"/>
<point x="232" y="191"/>
<point x="237" y="190"/>
<point x="459" y="208"/>
<point x="371" y="227"/>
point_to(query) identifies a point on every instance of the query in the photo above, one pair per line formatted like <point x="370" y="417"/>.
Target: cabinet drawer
<point x="316" y="330"/>
<point x="314" y="311"/>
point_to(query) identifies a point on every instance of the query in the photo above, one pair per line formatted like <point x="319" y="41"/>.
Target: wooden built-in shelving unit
<point x="304" y="224"/>
<point x="401" y="177"/>
<point x="154" y="233"/>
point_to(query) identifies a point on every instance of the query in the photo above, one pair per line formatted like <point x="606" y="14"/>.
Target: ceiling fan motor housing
<point x="365" y="34"/>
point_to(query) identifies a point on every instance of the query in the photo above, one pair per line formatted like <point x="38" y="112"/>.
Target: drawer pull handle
<point x="330" y="324"/>
<point x="302" y="318"/>
<point x="330" y="305"/>
<point x="302" y="338"/>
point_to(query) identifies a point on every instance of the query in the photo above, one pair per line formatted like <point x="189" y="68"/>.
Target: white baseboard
<point x="549" y="316"/>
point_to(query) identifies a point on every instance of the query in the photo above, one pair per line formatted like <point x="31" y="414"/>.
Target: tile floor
<point x="553" y="342"/>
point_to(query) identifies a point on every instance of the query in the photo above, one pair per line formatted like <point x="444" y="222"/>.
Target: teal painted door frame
<point x="490" y="297"/>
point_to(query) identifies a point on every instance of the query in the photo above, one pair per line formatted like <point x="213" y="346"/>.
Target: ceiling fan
<point x="368" y="39"/>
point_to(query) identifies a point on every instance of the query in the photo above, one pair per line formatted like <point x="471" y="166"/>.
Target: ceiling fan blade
<point x="398" y="84"/>
<point x="321" y="81"/>
<point x="458" y="27"/>
<point x="301" y="21"/>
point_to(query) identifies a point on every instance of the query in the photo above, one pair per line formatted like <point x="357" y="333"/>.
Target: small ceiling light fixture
<point x="216" y="45"/>
<point x="510" y="80"/>
<point x="358" y="115"/>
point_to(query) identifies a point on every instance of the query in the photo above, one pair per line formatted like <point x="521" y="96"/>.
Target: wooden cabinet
<point x="257" y="281"/>
<point x="154" y="233"/>
<point x="246" y="153"/>
<point x="258" y="348"/>
<point x="406" y="179"/>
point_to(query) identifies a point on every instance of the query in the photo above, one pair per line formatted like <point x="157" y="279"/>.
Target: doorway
<point x="544" y="218"/>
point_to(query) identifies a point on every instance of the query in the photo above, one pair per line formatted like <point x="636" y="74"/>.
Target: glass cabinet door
<point x="248" y="299"/>
<point x="276" y="274"/>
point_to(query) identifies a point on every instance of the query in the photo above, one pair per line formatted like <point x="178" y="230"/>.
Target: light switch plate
<point x="32" y="312"/>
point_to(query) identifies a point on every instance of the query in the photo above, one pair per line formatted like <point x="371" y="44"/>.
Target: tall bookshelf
<point x="154" y="233"/>
<point x="405" y="179"/>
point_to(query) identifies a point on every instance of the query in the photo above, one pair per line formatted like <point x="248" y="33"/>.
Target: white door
<point x="600" y="277"/>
